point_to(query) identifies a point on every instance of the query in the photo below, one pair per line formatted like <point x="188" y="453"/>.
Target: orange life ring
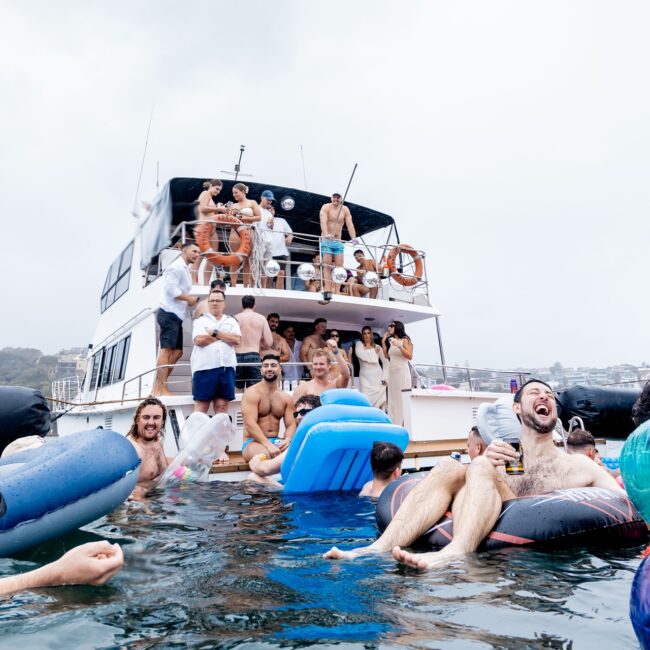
<point x="389" y="262"/>
<point x="203" y="232"/>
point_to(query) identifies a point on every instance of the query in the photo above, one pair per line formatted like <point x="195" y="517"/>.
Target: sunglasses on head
<point x="301" y="412"/>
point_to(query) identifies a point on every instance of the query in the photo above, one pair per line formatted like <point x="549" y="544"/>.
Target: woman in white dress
<point x="249" y="212"/>
<point x="399" y="350"/>
<point x="372" y="376"/>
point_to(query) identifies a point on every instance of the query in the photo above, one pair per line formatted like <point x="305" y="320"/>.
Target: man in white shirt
<point x="292" y="373"/>
<point x="213" y="358"/>
<point x="277" y="235"/>
<point x="176" y="287"/>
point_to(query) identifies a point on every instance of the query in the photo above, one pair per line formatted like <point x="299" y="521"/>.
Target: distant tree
<point x="556" y="369"/>
<point x="27" y="367"/>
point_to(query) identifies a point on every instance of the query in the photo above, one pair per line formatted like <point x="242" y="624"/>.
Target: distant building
<point x="72" y="363"/>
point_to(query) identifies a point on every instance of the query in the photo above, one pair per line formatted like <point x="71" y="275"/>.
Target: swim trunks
<point x="331" y="247"/>
<point x="273" y="441"/>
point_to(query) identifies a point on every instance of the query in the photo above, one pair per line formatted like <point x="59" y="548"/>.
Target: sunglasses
<point x="334" y="336"/>
<point x="301" y="412"/>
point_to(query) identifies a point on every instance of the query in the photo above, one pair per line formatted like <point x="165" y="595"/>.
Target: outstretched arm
<point x="88" y="564"/>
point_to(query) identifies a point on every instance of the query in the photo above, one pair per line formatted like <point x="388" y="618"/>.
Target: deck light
<point x="306" y="271"/>
<point x="272" y="268"/>
<point x="287" y="203"/>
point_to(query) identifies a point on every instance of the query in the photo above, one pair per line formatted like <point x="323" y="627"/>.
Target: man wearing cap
<point x="276" y="234"/>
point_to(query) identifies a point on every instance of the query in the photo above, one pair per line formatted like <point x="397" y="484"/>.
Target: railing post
<point x="469" y="378"/>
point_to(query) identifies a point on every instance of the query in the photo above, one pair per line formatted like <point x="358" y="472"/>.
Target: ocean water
<point x="223" y="565"/>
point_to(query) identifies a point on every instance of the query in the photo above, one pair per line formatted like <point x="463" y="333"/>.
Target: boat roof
<point x="303" y="218"/>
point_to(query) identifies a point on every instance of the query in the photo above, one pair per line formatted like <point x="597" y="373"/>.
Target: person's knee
<point x="449" y="472"/>
<point x="481" y="467"/>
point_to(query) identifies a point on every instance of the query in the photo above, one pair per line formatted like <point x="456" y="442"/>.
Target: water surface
<point x="221" y="565"/>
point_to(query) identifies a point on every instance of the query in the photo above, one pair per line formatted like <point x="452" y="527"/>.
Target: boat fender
<point x="561" y="518"/>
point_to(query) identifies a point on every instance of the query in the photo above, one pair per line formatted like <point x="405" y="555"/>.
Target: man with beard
<point x="476" y="493"/>
<point x="314" y="341"/>
<point x="263" y="406"/>
<point x="279" y="345"/>
<point x="146" y="435"/>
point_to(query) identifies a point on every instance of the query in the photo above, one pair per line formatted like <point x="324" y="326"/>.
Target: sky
<point x="509" y="139"/>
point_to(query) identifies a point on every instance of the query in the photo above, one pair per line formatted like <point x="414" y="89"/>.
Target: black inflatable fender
<point x="23" y="412"/>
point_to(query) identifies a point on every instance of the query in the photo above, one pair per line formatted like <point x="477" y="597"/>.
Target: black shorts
<point x="248" y="375"/>
<point x="214" y="383"/>
<point x="171" y="330"/>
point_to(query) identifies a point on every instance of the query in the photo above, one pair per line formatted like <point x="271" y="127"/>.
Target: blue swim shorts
<point x="331" y="247"/>
<point x="210" y="384"/>
<point x="248" y="441"/>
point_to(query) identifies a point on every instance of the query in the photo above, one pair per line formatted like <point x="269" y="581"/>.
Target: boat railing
<point x="182" y="385"/>
<point x="435" y="376"/>
<point x="65" y="391"/>
<point x="401" y="272"/>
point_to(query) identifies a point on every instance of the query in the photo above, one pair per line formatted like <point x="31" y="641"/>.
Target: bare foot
<point x="224" y="458"/>
<point x="424" y="561"/>
<point x="337" y="554"/>
<point x="160" y="391"/>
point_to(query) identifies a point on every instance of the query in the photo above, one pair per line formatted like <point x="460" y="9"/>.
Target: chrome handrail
<point x="519" y="375"/>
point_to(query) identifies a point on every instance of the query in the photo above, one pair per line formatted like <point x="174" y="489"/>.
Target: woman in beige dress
<point x="399" y="350"/>
<point x="249" y="212"/>
<point x="372" y="377"/>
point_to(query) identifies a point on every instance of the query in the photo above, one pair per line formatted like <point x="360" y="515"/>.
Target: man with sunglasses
<point x="213" y="358"/>
<point x="261" y="466"/>
<point x="263" y="406"/>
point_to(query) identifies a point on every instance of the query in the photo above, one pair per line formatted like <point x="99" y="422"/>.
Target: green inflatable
<point x="635" y="468"/>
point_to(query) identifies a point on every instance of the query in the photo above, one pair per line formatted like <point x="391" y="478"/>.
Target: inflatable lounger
<point x="65" y="484"/>
<point x="585" y="516"/>
<point x="331" y="447"/>
<point x="640" y="603"/>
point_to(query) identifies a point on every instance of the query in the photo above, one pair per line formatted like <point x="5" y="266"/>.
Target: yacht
<point x="439" y="408"/>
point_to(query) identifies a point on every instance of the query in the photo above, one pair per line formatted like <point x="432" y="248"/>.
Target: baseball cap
<point x="267" y="194"/>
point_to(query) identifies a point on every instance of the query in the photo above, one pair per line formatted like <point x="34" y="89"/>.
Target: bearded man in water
<point x="263" y="406"/>
<point x="147" y="438"/>
<point x="475" y="494"/>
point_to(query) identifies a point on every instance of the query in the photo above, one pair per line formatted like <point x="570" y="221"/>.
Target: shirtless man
<point x="263" y="406"/>
<point x="320" y="372"/>
<point x="476" y="493"/>
<point x="355" y="284"/>
<point x="280" y="345"/>
<point x="386" y="462"/>
<point x="314" y="341"/>
<point x="255" y="334"/>
<point x="147" y="438"/>
<point x="332" y="217"/>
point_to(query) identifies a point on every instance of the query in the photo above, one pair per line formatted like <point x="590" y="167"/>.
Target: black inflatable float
<point x="23" y="412"/>
<point x="573" y="517"/>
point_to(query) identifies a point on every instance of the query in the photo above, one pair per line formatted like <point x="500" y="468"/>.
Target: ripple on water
<point x="230" y="565"/>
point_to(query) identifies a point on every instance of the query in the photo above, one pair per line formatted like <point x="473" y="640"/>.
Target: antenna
<point x="242" y="148"/>
<point x="144" y="155"/>
<point x="304" y="177"/>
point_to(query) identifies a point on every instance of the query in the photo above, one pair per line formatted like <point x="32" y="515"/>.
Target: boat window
<point x="117" y="278"/>
<point x="96" y="369"/>
<point x="120" y="359"/>
<point x="108" y="365"/>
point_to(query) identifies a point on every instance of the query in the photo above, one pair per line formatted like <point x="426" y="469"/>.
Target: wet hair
<point x="400" y="330"/>
<point x="579" y="438"/>
<point x="248" y="302"/>
<point x="218" y="284"/>
<point x="149" y="401"/>
<point x="241" y="187"/>
<point x="318" y="321"/>
<point x="270" y="355"/>
<point x="309" y="400"/>
<point x="215" y="182"/>
<point x="641" y="408"/>
<point x="385" y="458"/>
<point x="359" y="251"/>
<point x="273" y="315"/>
<point x="519" y="393"/>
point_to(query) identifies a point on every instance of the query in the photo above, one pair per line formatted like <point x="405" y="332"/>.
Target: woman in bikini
<point x="206" y="209"/>
<point x="249" y="212"/>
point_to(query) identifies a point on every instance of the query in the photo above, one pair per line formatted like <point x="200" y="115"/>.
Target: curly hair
<point x="149" y="401"/>
<point x="641" y="408"/>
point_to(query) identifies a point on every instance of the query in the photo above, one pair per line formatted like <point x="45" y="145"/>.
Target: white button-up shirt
<point x="276" y="236"/>
<point x="218" y="354"/>
<point x="176" y="280"/>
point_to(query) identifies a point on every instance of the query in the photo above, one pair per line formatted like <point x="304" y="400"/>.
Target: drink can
<point x="515" y="467"/>
<point x="513" y="386"/>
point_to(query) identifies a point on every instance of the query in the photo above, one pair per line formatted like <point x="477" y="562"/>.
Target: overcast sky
<point x="511" y="140"/>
